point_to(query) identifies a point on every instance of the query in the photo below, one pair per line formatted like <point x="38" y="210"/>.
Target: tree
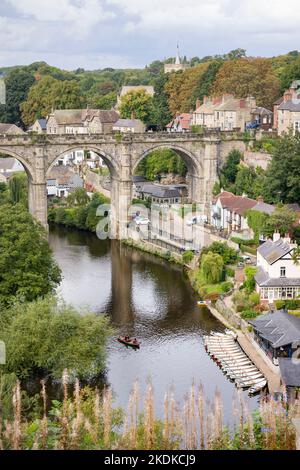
<point x="78" y="197"/>
<point x="181" y="88"/>
<point x="228" y="254"/>
<point x="48" y="337"/>
<point x="18" y="84"/>
<point x="161" y="115"/>
<point x="283" y="174"/>
<point x="27" y="267"/>
<point x="18" y="188"/>
<point x="138" y="104"/>
<point x="244" y="183"/>
<point x="50" y="93"/>
<point x="204" y="85"/>
<point x="161" y="161"/>
<point x="281" y="220"/>
<point x="244" y="77"/>
<point x="290" y="73"/>
<point x="212" y="265"/>
<point x="230" y="168"/>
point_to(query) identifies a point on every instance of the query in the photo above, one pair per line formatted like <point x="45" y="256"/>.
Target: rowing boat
<point x="132" y="343"/>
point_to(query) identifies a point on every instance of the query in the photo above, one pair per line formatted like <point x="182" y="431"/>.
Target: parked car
<point x="140" y="220"/>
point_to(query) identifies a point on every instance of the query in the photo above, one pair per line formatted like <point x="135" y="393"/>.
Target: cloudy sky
<point x="131" y="33"/>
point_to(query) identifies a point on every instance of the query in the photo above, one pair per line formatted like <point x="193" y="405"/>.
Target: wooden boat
<point x="258" y="387"/>
<point x="130" y="342"/>
<point x="247" y="384"/>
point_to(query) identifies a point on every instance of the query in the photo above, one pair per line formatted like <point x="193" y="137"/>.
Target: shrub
<point x="187" y="256"/>
<point x="229" y="272"/>
<point x="280" y="304"/>
<point x="292" y="304"/>
<point x="249" y="314"/>
<point x="254" y="299"/>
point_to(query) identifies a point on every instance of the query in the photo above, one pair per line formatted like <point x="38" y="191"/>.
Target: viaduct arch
<point x="203" y="156"/>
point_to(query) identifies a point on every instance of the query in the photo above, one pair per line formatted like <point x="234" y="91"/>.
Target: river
<point x="149" y="299"/>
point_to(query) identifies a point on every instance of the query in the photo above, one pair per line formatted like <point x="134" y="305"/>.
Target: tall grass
<point x="86" y="419"/>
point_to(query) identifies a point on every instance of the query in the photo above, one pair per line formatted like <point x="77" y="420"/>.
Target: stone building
<point x="40" y="126"/>
<point x="12" y="129"/>
<point x="81" y="121"/>
<point x="287" y="110"/>
<point x="224" y="112"/>
<point x="181" y="123"/>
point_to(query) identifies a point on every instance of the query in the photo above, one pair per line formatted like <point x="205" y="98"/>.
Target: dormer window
<point x="282" y="271"/>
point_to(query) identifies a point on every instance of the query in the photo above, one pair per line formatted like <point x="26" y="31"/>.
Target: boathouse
<point x="290" y="376"/>
<point x="278" y="334"/>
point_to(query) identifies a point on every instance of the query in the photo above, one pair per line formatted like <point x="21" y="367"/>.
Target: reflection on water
<point x="146" y="298"/>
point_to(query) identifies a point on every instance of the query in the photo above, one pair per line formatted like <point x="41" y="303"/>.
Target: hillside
<point x="33" y="90"/>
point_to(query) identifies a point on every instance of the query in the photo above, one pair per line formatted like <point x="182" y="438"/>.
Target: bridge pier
<point x="37" y="202"/>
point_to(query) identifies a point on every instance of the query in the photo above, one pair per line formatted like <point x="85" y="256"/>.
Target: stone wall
<point x="255" y="159"/>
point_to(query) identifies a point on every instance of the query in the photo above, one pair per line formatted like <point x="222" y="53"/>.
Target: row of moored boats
<point x="225" y="351"/>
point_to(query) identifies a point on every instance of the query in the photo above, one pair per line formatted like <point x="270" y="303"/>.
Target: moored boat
<point x="133" y="343"/>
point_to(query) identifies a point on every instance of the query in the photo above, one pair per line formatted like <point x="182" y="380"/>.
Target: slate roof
<point x="232" y="104"/>
<point x="264" y="207"/>
<point x="279" y="328"/>
<point x="262" y="111"/>
<point x="42" y="123"/>
<point x="160" y="191"/>
<point x="11" y="128"/>
<point x="290" y="105"/>
<point x="273" y="251"/>
<point x="78" y="116"/>
<point x="290" y="371"/>
<point x="7" y="163"/>
<point x="263" y="280"/>
<point x="128" y="123"/>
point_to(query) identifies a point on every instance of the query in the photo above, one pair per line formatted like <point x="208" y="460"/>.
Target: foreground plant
<point x="86" y="419"/>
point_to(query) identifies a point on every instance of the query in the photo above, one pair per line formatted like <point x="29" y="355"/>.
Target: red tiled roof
<point x="237" y="204"/>
<point x="182" y="119"/>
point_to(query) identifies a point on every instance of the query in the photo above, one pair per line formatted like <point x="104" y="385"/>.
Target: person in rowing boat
<point x="135" y="341"/>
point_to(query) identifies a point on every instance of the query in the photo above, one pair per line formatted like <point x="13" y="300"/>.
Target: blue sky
<point x="132" y="33"/>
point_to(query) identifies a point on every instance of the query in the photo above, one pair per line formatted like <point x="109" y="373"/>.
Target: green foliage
<point x="283" y="174"/>
<point x="249" y="284"/>
<point x="212" y="265"/>
<point x="291" y="304"/>
<point x="161" y="161"/>
<point x="256" y="221"/>
<point x="249" y="314"/>
<point x="18" y="188"/>
<point x="50" y="337"/>
<point x="138" y="104"/>
<point x="230" y="168"/>
<point x="229" y="272"/>
<point x="18" y="84"/>
<point x="81" y="214"/>
<point x="50" y="93"/>
<point x="281" y="220"/>
<point x="228" y="254"/>
<point x="187" y="256"/>
<point x="27" y="267"/>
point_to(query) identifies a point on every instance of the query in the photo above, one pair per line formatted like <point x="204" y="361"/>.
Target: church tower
<point x="177" y="65"/>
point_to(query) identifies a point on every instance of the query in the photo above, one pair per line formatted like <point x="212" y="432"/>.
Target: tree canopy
<point x="138" y="104"/>
<point x="50" y="337"/>
<point x="27" y="267"/>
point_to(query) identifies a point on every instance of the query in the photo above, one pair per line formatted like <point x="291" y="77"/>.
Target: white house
<point x="278" y="276"/>
<point x="62" y="180"/>
<point x="10" y="165"/>
<point x="229" y="212"/>
<point x="134" y="126"/>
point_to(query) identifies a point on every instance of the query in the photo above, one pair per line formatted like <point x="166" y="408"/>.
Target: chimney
<point x="242" y="104"/>
<point x="198" y="103"/>
<point x="287" y="96"/>
<point x="205" y="99"/>
<point x="177" y="113"/>
<point x="260" y="199"/>
<point x="133" y="115"/>
<point x="287" y="238"/>
<point x="276" y="236"/>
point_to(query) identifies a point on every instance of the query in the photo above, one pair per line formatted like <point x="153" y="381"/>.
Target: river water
<point x="149" y="299"/>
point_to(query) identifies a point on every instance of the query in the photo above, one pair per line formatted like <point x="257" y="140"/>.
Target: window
<point x="282" y="271"/>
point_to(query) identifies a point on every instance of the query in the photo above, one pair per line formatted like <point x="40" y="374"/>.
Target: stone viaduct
<point x="203" y="156"/>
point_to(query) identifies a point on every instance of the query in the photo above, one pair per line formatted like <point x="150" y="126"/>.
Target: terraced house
<point x="81" y="121"/>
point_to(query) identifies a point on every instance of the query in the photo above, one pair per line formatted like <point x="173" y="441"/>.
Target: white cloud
<point x="80" y="16"/>
<point x="202" y="15"/>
